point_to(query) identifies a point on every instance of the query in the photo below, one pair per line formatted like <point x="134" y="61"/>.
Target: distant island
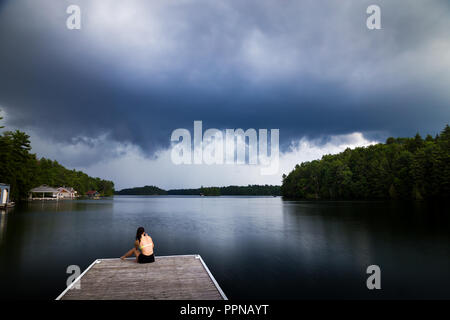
<point x="402" y="168"/>
<point x="250" y="190"/>
<point x="142" y="191"/>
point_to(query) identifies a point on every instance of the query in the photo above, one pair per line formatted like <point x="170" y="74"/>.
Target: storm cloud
<point x="137" y="70"/>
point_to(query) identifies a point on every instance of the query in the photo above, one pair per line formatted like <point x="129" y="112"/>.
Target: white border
<point x="212" y="277"/>
<point x="77" y="279"/>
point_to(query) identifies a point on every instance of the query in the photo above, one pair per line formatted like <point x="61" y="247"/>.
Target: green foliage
<point x="210" y="191"/>
<point x="23" y="171"/>
<point x="250" y="190"/>
<point x="403" y="168"/>
<point x="147" y="190"/>
<point x="53" y="174"/>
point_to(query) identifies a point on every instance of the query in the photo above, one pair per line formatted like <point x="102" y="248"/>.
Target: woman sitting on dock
<point x="144" y="243"/>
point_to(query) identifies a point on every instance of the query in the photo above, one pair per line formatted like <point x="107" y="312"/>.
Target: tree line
<point x="401" y="168"/>
<point x="22" y="170"/>
<point x="250" y="190"/>
<point x="142" y="191"/>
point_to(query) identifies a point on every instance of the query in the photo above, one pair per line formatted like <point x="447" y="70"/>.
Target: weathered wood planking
<point x="168" y="278"/>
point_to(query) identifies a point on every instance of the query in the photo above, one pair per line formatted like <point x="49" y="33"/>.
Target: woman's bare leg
<point x="137" y="253"/>
<point x="130" y="253"/>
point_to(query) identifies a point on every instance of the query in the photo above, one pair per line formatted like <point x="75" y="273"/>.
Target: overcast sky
<point x="105" y="99"/>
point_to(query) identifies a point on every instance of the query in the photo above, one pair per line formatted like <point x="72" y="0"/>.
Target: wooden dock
<point x="168" y="278"/>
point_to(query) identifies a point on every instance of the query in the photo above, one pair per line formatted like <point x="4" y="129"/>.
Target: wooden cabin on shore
<point x="67" y="192"/>
<point x="45" y="192"/>
<point x="93" y="194"/>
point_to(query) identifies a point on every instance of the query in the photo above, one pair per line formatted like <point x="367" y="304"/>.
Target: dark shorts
<point x="142" y="258"/>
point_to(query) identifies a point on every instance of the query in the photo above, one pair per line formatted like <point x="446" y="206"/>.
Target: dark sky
<point x="137" y="70"/>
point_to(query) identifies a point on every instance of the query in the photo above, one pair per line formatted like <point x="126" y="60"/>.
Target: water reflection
<point x="323" y="231"/>
<point x="256" y="247"/>
<point x="3" y="225"/>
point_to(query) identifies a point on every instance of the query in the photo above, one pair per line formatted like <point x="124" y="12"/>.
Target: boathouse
<point x="44" y="192"/>
<point x="93" y="194"/>
<point x="4" y="194"/>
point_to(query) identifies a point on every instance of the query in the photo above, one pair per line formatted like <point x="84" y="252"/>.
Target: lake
<point x="256" y="247"/>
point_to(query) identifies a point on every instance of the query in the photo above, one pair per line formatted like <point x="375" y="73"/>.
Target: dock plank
<point x="168" y="278"/>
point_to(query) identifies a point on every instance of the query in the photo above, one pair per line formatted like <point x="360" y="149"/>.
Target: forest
<point x="250" y="190"/>
<point x="22" y="170"/>
<point x="142" y="191"/>
<point x="402" y="168"/>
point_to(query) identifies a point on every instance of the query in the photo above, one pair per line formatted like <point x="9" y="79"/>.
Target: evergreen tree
<point x="23" y="171"/>
<point x="402" y="168"/>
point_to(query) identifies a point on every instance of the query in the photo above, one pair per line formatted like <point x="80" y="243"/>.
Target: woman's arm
<point x="152" y="242"/>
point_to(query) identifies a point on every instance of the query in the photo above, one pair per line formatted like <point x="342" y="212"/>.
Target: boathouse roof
<point x="44" y="188"/>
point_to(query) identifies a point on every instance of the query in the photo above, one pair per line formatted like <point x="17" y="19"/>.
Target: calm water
<point x="256" y="247"/>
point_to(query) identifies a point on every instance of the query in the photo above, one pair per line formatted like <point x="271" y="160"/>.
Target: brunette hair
<point x="139" y="233"/>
